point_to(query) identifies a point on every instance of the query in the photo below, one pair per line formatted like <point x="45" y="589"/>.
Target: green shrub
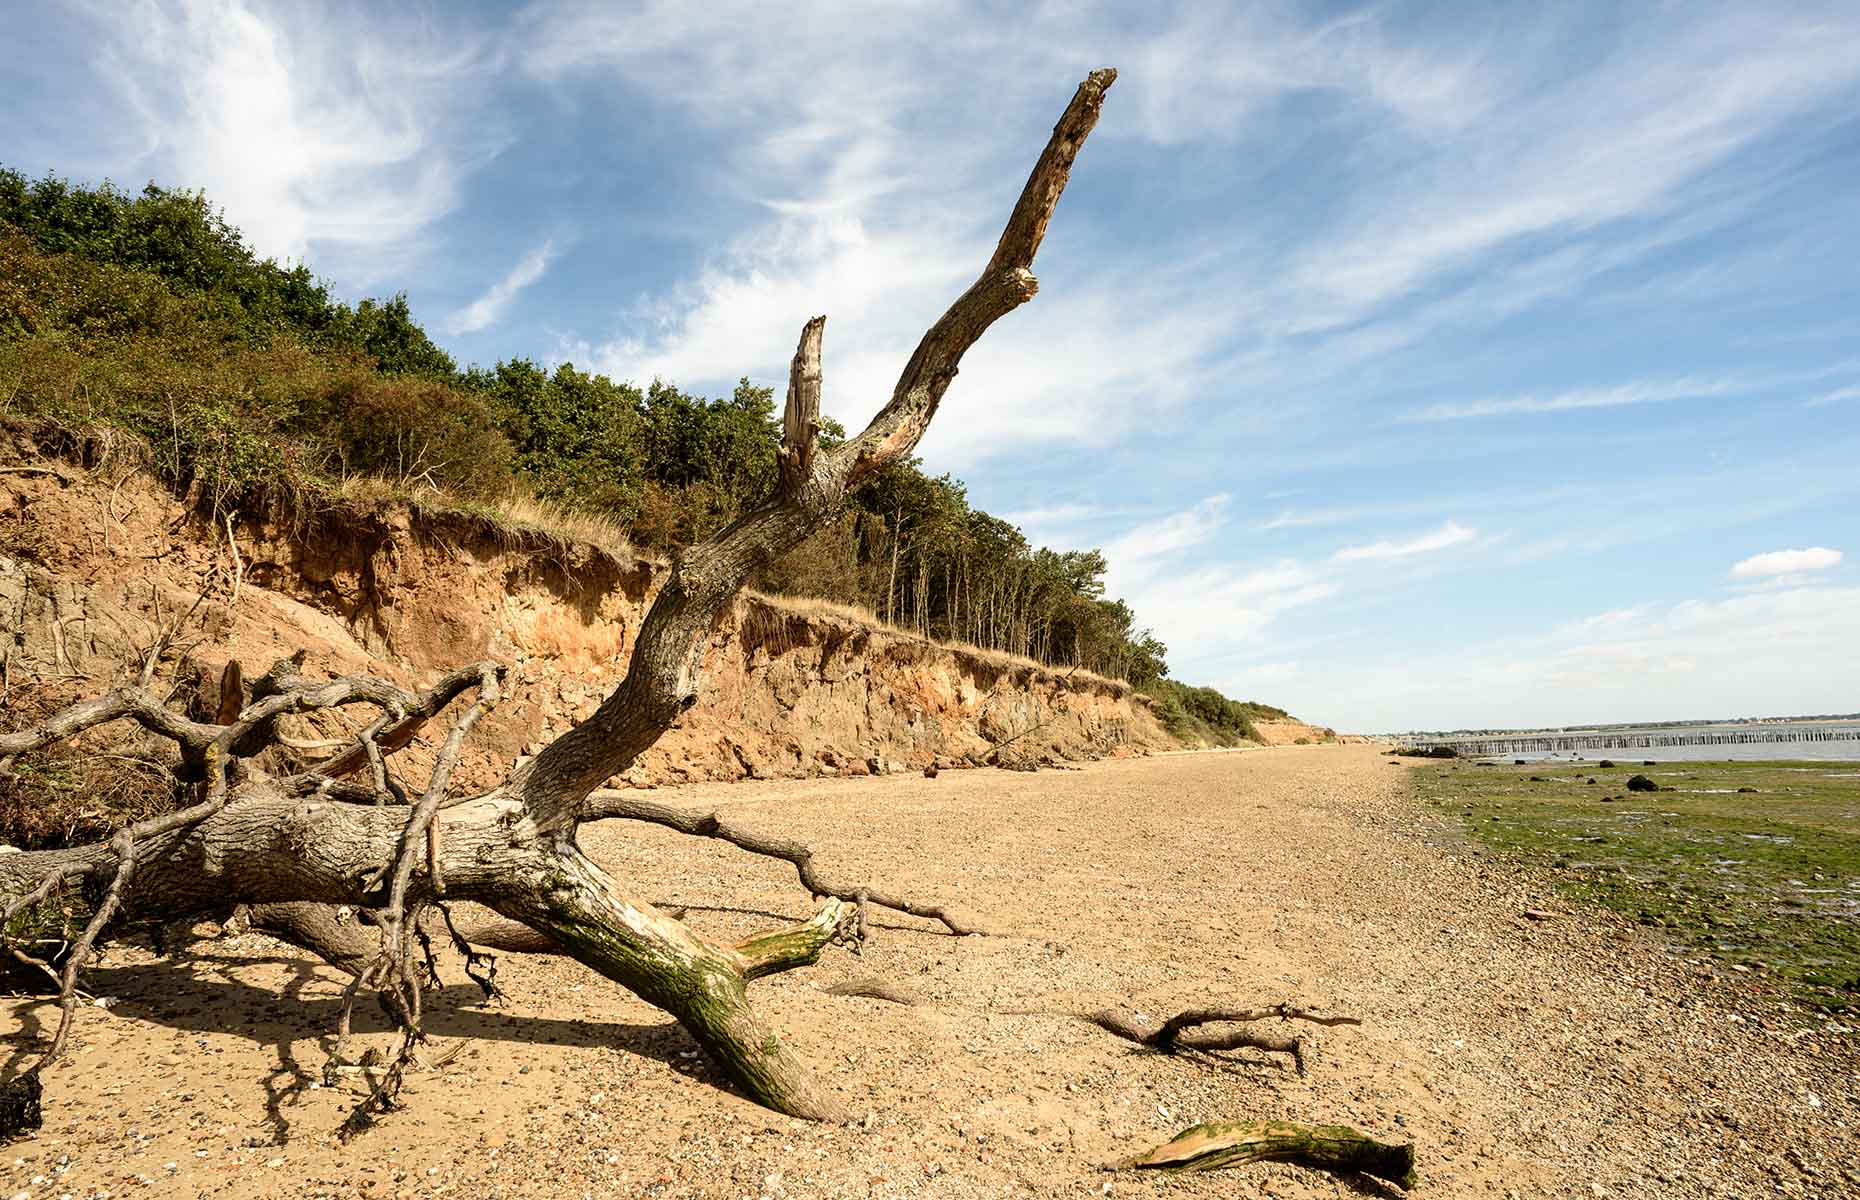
<point x="418" y="434"/>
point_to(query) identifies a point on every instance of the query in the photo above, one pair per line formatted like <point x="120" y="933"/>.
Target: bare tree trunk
<point x="891" y="585"/>
<point x="319" y="839"/>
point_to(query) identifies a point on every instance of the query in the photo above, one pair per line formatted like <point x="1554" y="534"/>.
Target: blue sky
<point x="1415" y="365"/>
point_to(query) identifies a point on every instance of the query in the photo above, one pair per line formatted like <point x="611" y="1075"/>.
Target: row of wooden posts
<point x="1552" y="743"/>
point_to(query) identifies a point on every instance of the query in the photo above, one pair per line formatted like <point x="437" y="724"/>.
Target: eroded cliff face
<point x="1292" y="733"/>
<point x="94" y="570"/>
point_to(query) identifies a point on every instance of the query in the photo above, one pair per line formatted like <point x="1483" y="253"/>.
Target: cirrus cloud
<point x="1451" y="534"/>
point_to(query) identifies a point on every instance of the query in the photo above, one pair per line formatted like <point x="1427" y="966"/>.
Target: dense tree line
<point x="148" y="312"/>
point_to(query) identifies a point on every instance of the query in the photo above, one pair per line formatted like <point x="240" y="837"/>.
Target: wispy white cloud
<point x="1786" y="562"/>
<point x="489" y="308"/>
<point x="1643" y="392"/>
<point x="1759" y="654"/>
<point x="1458" y="168"/>
<point x="1169" y="535"/>
<point x="1572" y="150"/>
<point x="1208" y="611"/>
<point x="1451" y="534"/>
<point x="315" y="134"/>
<point x="1299" y="520"/>
<point x="1835" y="396"/>
<point x="1203" y="604"/>
<point x="1056" y="514"/>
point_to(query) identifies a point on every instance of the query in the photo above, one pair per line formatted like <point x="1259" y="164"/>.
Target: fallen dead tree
<point x="341" y="857"/>
<point x="344" y="835"/>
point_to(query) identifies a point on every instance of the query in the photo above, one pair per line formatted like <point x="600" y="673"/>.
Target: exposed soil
<point x="90" y="572"/>
<point x="1572" y="1056"/>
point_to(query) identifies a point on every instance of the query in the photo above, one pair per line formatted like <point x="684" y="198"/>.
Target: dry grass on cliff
<point x="530" y="514"/>
<point x="519" y="513"/>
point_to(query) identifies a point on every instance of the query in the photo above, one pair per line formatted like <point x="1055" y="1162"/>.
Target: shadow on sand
<point x="211" y="998"/>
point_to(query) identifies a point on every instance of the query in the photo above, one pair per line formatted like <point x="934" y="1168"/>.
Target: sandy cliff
<point x="93" y="567"/>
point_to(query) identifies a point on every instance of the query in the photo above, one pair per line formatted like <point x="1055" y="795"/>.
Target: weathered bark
<point x="1327" y="1147"/>
<point x="800" y="422"/>
<point x="328" y="931"/>
<point x="665" y="964"/>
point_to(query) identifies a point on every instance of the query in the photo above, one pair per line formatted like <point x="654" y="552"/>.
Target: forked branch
<point x="620" y="805"/>
<point x="662" y="679"/>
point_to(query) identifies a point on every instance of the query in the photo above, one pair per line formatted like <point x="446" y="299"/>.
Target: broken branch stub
<point x="800" y="422"/>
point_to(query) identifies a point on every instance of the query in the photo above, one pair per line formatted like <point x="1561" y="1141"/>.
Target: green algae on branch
<point x="1753" y="864"/>
<point x="1328" y="1147"/>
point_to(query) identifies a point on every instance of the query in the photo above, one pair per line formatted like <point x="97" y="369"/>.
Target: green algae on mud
<point x="1754" y="864"/>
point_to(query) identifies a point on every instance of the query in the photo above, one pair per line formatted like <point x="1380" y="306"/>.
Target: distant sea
<point x="1807" y="750"/>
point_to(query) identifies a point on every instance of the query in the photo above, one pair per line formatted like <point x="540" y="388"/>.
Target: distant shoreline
<point x="1732" y="724"/>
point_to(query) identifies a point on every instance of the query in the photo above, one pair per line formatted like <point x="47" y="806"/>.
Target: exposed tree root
<point x="1184" y="1030"/>
<point x="627" y="807"/>
<point x="1337" y="1148"/>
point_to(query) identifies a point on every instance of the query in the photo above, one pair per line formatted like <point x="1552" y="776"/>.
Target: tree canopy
<point x="149" y="312"/>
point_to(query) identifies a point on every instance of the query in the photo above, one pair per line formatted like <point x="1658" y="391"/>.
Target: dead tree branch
<point x="626" y="807"/>
<point x="1184" y="1030"/>
<point x="416" y="712"/>
<point x="1337" y="1148"/>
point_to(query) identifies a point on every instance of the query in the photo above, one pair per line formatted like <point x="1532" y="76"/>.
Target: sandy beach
<point x="1575" y="1056"/>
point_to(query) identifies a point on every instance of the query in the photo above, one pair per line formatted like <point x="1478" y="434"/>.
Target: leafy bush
<point x="418" y="434"/>
<point x="178" y="239"/>
<point x="1204" y="714"/>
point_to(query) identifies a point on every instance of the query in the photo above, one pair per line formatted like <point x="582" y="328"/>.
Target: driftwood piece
<point x="1185" y="1031"/>
<point x="1337" y="1148"/>
<point x="875" y="989"/>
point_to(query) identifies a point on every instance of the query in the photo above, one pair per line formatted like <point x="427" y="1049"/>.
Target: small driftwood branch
<point x="626" y="807"/>
<point x="1336" y="1148"/>
<point x="1184" y="1030"/>
<point x="875" y="989"/>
